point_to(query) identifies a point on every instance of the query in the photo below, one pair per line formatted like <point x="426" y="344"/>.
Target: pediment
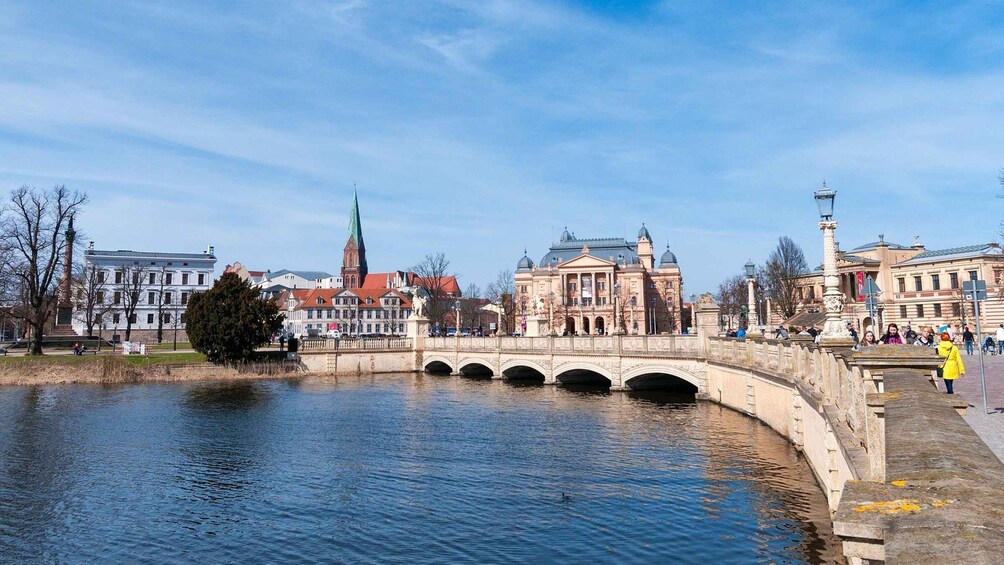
<point x="585" y="262"/>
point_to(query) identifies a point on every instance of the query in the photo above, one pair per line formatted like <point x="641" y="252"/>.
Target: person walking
<point x="952" y="367"/>
<point x="854" y="333"/>
<point x="891" y="335"/>
<point x="969" y="339"/>
<point x="1000" y="336"/>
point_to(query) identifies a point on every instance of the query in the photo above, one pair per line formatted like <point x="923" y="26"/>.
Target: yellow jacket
<point x="953" y="367"/>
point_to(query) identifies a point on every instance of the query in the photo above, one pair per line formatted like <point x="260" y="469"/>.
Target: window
<point x="310" y="314"/>
<point x="329" y="313"/>
<point x="320" y="300"/>
<point x="369" y="314"/>
<point x="937" y="310"/>
<point x="153" y="278"/>
<point x="116" y="318"/>
<point x="135" y="278"/>
<point x="918" y="283"/>
<point x="182" y="319"/>
<point x="118" y="277"/>
<point x="167" y="298"/>
<point x="956" y="309"/>
<point x="132" y="319"/>
<point x="902" y="310"/>
<point x="169" y="278"/>
<point x="151" y="298"/>
<point x="935" y="282"/>
<point x="920" y="310"/>
<point x="902" y="284"/>
<point x="101" y="297"/>
<point x="953" y="280"/>
<point x="973" y="275"/>
<point x="117" y="298"/>
<point x="377" y="314"/>
<point x="101" y="276"/>
<point x="184" y="278"/>
<point x="369" y="328"/>
<point x="149" y="318"/>
<point x="184" y="298"/>
<point x="202" y="278"/>
<point x="634" y="301"/>
<point x="167" y="318"/>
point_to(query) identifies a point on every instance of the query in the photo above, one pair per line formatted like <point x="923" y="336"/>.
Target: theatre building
<point x="599" y="286"/>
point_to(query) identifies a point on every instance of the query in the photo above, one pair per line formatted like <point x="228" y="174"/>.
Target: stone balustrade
<point x="323" y="344"/>
<point x="677" y="346"/>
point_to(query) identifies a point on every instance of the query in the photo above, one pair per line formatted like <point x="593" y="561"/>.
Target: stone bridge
<point x="620" y="362"/>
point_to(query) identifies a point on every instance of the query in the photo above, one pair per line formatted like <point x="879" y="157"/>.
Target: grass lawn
<point x="167" y="346"/>
<point x="137" y="360"/>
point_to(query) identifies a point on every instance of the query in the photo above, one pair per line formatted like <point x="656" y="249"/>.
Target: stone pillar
<point x="835" y="332"/>
<point x="706" y="316"/>
<point x="417" y="329"/>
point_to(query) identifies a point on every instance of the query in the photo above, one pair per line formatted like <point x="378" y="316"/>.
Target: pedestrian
<point x="781" y="333"/>
<point x="741" y="333"/>
<point x="969" y="340"/>
<point x="812" y="331"/>
<point x="891" y="335"/>
<point x="1000" y="336"/>
<point x="282" y="341"/>
<point x="952" y="367"/>
<point x="867" y="340"/>
<point x="854" y="334"/>
<point x="76" y="348"/>
<point x="988" y="346"/>
<point x="909" y="335"/>
<point x="925" y="338"/>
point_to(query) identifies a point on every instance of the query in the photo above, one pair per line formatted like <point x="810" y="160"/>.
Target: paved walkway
<point x="990" y="427"/>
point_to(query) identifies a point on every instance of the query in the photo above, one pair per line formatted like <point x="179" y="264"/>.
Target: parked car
<point x="334" y="334"/>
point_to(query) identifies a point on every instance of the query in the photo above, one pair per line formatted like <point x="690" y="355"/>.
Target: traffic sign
<point x="871" y="288"/>
<point x="979" y="286"/>
<point x="871" y="303"/>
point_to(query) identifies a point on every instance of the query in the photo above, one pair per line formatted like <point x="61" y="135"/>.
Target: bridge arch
<point x="660" y="376"/>
<point x="522" y="369"/>
<point x="476" y="367"/>
<point x="438" y="364"/>
<point x="583" y="373"/>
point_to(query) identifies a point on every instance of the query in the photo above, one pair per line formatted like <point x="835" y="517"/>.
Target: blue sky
<point x="478" y="128"/>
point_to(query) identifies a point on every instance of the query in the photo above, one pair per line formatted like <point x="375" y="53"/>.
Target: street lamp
<point x="457" y="305"/>
<point x="835" y="331"/>
<point x="752" y="320"/>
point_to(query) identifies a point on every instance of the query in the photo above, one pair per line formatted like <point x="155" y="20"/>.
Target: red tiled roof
<point x="328" y="294"/>
<point x="377" y="280"/>
<point x="448" y="283"/>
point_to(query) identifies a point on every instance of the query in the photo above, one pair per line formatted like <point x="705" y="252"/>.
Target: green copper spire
<point x="355" y="225"/>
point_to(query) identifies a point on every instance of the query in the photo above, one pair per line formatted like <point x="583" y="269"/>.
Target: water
<point x="396" y="469"/>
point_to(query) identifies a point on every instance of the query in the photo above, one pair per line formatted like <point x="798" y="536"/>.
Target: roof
<point x="129" y="254"/>
<point x="968" y="251"/>
<point x="379" y="280"/>
<point x="857" y="259"/>
<point x="448" y="283"/>
<point x="668" y="258"/>
<point x="806" y="319"/>
<point x="615" y="249"/>
<point x="355" y="224"/>
<point x="874" y="244"/>
<point x="327" y="295"/>
<point x="297" y="294"/>
<point x="309" y="275"/>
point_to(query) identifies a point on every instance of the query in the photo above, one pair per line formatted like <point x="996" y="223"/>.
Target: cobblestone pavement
<point x="990" y="427"/>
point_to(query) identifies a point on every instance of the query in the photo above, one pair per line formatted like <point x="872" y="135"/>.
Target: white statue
<point x="538" y="305"/>
<point x="418" y="305"/>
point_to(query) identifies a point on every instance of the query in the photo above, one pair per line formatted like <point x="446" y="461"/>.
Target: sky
<point x="482" y="128"/>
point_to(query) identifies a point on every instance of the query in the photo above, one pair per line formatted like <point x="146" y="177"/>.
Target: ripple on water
<point x="406" y="469"/>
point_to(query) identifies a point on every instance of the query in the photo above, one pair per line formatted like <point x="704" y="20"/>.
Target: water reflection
<point x="397" y="468"/>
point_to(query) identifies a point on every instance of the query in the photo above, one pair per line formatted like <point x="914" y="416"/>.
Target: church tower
<point x="354" y="267"/>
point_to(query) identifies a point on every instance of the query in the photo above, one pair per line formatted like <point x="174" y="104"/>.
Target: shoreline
<point x="115" y="370"/>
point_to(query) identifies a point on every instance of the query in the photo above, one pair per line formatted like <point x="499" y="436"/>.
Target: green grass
<point x="168" y="346"/>
<point x="137" y="360"/>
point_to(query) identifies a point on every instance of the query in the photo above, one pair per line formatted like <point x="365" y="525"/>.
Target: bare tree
<point x="784" y="267"/>
<point x="470" y="306"/>
<point x="731" y="298"/>
<point x="431" y="276"/>
<point x="130" y="282"/>
<point x="90" y="297"/>
<point x="32" y="235"/>
<point x="500" y="292"/>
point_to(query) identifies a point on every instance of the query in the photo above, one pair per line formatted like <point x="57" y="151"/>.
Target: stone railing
<point x="331" y="344"/>
<point x="636" y="345"/>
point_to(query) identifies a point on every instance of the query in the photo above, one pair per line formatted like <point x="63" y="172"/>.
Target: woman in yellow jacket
<point x="953" y="367"/>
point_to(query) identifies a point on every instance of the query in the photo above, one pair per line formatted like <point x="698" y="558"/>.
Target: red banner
<point x="861" y="283"/>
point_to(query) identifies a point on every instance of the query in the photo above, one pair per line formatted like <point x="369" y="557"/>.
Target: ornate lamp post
<point x="617" y="321"/>
<point x="752" y="319"/>
<point x="457" y="306"/>
<point x="835" y="331"/>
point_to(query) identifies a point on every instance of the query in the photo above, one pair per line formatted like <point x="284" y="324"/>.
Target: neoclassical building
<point x="580" y="284"/>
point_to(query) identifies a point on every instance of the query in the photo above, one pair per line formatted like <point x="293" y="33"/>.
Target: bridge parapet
<point x="681" y="346"/>
<point x="321" y="344"/>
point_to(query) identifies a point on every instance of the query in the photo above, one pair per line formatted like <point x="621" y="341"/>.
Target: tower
<point x="645" y="252"/>
<point x="354" y="267"/>
<point x="64" y="308"/>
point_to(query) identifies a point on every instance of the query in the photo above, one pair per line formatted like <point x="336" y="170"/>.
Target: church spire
<point x="355" y="225"/>
<point x="354" y="268"/>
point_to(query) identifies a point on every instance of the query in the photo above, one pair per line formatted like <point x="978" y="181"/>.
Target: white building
<point x="162" y="282"/>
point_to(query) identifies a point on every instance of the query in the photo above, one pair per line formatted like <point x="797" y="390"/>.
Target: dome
<point x="643" y="233"/>
<point x="565" y="236"/>
<point x="668" y="258"/>
<point x="525" y="264"/>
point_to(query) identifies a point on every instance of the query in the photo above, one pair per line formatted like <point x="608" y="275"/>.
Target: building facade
<point x="151" y="288"/>
<point x="352" y="312"/>
<point x="918" y="286"/>
<point x="594" y="286"/>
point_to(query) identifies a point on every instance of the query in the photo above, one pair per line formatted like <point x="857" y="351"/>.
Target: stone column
<point x="706" y="316"/>
<point x="835" y="332"/>
<point x="752" y="318"/>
